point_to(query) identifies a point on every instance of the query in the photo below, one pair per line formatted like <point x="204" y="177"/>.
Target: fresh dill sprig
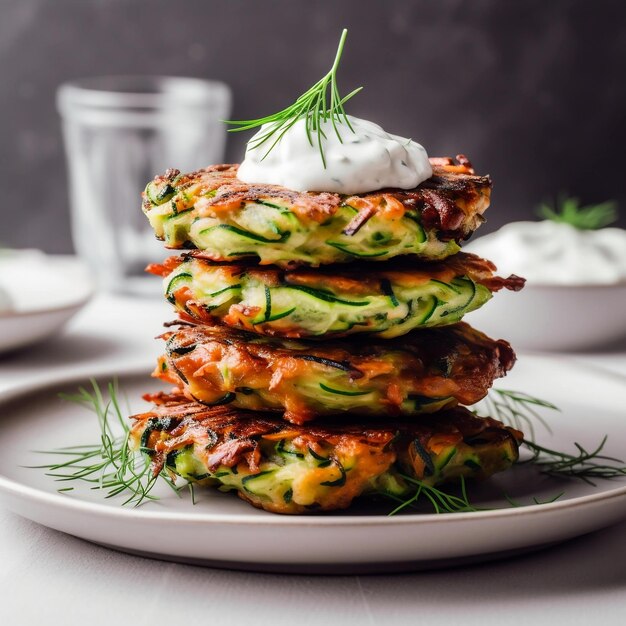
<point x="441" y="501"/>
<point x="584" y="465"/>
<point x="109" y="465"/>
<point x="568" y="211"/>
<point x="315" y="106"/>
<point x="515" y="408"/>
<point x="519" y="410"/>
<point x="516" y="504"/>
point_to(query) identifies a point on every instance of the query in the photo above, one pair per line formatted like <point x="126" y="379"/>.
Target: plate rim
<point x="73" y="504"/>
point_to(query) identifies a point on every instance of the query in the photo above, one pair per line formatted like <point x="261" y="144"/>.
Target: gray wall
<point x="534" y="92"/>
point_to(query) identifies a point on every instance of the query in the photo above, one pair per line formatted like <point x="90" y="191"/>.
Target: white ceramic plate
<point x="48" y="292"/>
<point x="223" y="531"/>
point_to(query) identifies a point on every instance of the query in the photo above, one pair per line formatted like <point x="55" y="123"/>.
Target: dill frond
<point x="318" y="104"/>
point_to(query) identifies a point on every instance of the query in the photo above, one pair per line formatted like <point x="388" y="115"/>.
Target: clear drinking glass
<point x="119" y="132"/>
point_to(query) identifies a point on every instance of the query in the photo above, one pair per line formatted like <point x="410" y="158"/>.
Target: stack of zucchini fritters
<point x="319" y="353"/>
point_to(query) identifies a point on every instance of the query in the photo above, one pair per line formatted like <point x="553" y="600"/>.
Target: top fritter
<point x="214" y="211"/>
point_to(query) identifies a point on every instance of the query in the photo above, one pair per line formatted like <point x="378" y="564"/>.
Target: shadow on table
<point x="567" y="568"/>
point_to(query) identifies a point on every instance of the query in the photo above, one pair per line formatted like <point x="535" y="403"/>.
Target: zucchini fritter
<point x="422" y="372"/>
<point x="387" y="300"/>
<point x="294" y="469"/>
<point x="230" y="220"/>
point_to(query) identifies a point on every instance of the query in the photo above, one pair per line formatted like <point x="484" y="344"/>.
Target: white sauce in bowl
<point x="551" y="253"/>
<point x="34" y="281"/>
<point x="365" y="160"/>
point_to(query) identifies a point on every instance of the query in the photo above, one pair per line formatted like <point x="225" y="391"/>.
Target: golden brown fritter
<point x="421" y="372"/>
<point x="284" y="468"/>
<point x="212" y="210"/>
<point x="388" y="300"/>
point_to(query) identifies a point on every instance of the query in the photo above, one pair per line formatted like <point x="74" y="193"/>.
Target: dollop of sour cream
<point x="552" y="253"/>
<point x="367" y="158"/>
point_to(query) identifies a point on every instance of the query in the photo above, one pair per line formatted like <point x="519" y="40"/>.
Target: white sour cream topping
<point x="550" y="253"/>
<point x="368" y="159"/>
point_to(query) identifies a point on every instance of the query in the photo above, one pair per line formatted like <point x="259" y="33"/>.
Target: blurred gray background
<point x="534" y="92"/>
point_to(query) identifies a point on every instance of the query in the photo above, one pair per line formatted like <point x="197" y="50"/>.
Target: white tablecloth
<point x="50" y="578"/>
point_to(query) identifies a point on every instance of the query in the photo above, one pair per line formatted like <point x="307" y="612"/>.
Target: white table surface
<point x="50" y="578"/>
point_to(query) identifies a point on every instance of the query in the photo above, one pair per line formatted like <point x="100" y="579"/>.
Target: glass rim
<point x="140" y="91"/>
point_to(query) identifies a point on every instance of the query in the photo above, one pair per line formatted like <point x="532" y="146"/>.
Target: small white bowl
<point x="44" y="300"/>
<point x="555" y="317"/>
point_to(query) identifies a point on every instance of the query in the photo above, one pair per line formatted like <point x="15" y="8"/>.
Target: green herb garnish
<point x="111" y="466"/>
<point x="516" y="504"/>
<point x="519" y="410"/>
<point x="516" y="409"/>
<point x="568" y="211"/>
<point x="583" y="465"/>
<point x="315" y="105"/>
<point x="441" y="501"/>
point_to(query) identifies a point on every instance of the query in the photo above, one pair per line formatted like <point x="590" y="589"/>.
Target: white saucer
<point x="43" y="301"/>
